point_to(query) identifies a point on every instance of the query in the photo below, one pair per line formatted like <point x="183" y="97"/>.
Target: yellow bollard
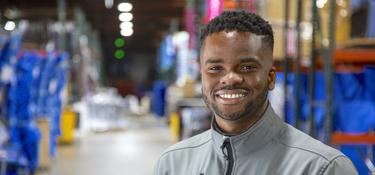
<point x="67" y="125"/>
<point x="175" y="126"/>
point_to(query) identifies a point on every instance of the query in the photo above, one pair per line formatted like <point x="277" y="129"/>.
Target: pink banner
<point x="214" y="8"/>
<point x="252" y="6"/>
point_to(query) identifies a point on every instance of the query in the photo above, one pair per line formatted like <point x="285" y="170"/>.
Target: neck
<point x="240" y="126"/>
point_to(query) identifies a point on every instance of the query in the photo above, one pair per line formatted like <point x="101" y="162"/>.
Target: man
<point x="247" y="137"/>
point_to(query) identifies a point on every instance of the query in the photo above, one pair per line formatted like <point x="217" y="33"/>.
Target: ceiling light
<point x="321" y="3"/>
<point x="127" y="32"/>
<point x="125" y="7"/>
<point x="125" y="17"/>
<point x="10" y="25"/>
<point x="125" y="25"/>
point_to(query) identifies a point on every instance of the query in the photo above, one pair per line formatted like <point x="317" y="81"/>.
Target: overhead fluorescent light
<point x="125" y="7"/>
<point x="127" y="32"/>
<point x="125" y="17"/>
<point x="125" y="25"/>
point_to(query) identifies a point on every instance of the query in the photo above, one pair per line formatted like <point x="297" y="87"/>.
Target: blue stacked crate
<point x="354" y="108"/>
<point x="17" y="154"/>
<point x="32" y="83"/>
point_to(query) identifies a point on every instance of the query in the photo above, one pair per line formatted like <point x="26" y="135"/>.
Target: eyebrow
<point x="242" y="60"/>
<point x="249" y="59"/>
<point x="213" y="61"/>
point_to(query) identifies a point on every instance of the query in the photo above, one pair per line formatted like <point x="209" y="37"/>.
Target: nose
<point x="231" y="78"/>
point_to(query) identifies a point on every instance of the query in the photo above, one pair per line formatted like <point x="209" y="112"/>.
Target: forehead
<point x="233" y="35"/>
<point x="234" y="44"/>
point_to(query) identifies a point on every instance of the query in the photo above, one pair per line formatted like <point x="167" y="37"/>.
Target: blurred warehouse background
<point x="104" y="86"/>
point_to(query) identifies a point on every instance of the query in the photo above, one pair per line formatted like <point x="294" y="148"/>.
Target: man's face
<point x="236" y="74"/>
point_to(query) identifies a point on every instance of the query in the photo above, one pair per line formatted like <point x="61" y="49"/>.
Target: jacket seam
<point x="324" y="168"/>
<point x="190" y="147"/>
<point x="316" y="153"/>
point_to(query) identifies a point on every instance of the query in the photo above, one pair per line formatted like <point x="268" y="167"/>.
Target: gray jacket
<point x="269" y="147"/>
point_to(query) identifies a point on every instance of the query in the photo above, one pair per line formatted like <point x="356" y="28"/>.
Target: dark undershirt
<point x="217" y="128"/>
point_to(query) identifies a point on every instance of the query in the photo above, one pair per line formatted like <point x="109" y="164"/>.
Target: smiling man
<point x="247" y="137"/>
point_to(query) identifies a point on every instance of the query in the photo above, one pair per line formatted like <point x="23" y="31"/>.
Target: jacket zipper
<point x="228" y="155"/>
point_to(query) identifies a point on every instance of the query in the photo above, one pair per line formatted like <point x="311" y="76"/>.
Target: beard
<point x="250" y="109"/>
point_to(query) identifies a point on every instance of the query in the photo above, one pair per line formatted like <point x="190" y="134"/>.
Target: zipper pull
<point x="224" y="147"/>
<point x="228" y="155"/>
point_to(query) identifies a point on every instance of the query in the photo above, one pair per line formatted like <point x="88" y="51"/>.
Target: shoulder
<point x="306" y="145"/>
<point x="190" y="151"/>
<point x="189" y="144"/>
<point x="308" y="151"/>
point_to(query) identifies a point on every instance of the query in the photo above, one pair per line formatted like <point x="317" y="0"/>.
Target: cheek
<point x="208" y="83"/>
<point x="205" y="84"/>
<point x="257" y="81"/>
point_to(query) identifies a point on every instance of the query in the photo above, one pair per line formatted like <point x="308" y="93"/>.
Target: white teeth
<point x="231" y="95"/>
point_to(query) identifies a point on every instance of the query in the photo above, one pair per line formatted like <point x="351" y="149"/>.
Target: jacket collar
<point x="255" y="137"/>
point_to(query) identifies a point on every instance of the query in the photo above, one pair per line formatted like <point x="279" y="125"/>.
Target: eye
<point x="248" y="68"/>
<point x="214" y="69"/>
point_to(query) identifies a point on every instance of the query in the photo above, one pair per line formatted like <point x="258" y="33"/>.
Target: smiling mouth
<point x="231" y="96"/>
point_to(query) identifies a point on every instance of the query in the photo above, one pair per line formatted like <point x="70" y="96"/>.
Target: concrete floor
<point x="133" y="151"/>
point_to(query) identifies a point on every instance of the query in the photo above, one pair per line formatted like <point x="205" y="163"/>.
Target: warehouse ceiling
<point x="152" y="19"/>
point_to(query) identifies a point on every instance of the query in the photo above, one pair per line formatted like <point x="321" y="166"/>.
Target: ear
<point x="271" y="78"/>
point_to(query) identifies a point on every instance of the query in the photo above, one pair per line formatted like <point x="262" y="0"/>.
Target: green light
<point x="119" y="54"/>
<point x="119" y="42"/>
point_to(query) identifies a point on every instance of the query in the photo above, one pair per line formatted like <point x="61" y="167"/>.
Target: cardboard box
<point x="44" y="146"/>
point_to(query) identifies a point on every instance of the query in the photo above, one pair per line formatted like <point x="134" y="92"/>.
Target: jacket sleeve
<point x="339" y="166"/>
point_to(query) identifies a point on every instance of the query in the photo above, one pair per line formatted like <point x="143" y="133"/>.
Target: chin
<point x="233" y="116"/>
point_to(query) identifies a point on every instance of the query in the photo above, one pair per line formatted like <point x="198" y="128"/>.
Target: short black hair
<point x="242" y="21"/>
